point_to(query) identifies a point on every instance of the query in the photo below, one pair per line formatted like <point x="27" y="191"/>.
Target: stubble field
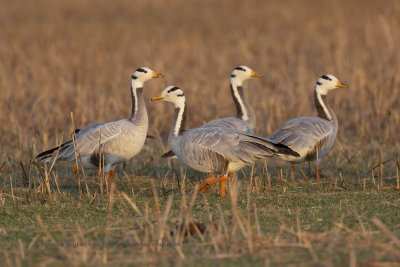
<point x="58" y="57"/>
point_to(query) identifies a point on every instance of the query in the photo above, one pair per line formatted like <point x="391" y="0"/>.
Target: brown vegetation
<point x="77" y="56"/>
<point x="58" y="57"/>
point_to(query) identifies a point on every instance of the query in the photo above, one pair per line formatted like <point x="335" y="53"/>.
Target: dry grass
<point x="77" y="56"/>
<point x="250" y="226"/>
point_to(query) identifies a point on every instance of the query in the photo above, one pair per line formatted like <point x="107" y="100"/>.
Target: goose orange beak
<point x="157" y="75"/>
<point x="339" y="84"/>
<point x="255" y="74"/>
<point x="160" y="97"/>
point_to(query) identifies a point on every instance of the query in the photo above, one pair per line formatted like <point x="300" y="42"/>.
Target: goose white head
<point x="172" y="94"/>
<point x="243" y="73"/>
<point x="143" y="74"/>
<point x="328" y="82"/>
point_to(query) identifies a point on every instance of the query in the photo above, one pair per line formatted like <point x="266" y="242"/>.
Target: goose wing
<point x="231" y="123"/>
<point x="67" y="147"/>
<point x="233" y="146"/>
<point x="87" y="128"/>
<point x="306" y="134"/>
<point x="90" y="140"/>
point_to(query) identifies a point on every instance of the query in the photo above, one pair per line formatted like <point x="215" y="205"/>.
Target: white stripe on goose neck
<point x="322" y="91"/>
<point x="134" y="85"/>
<point x="181" y="106"/>
<point x="235" y="84"/>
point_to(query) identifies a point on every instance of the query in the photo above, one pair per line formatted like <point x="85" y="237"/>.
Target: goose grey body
<point x="220" y="150"/>
<point x="214" y="149"/>
<point x="118" y="141"/>
<point x="110" y="142"/>
<point x="307" y="135"/>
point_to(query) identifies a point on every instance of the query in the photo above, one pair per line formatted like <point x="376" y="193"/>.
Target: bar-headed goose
<point x="245" y="119"/>
<point x="109" y="143"/>
<point x="214" y="150"/>
<point x="311" y="136"/>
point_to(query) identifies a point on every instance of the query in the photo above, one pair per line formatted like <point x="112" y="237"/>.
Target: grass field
<point x="58" y="57"/>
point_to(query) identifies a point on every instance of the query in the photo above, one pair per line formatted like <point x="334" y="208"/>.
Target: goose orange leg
<point x="109" y="180"/>
<point x="106" y="181"/>
<point x="292" y="170"/>
<point x="76" y="171"/>
<point x="78" y="178"/>
<point x="223" y="180"/>
<point x="211" y="180"/>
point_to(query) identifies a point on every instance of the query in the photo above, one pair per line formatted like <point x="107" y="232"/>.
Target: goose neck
<point x="243" y="108"/>
<point x="323" y="109"/>
<point x="138" y="105"/>
<point x="178" y="127"/>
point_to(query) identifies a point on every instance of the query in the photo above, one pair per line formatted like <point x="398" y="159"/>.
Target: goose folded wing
<point x="94" y="138"/>
<point x="231" y="123"/>
<point x="303" y="132"/>
<point x="232" y="145"/>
